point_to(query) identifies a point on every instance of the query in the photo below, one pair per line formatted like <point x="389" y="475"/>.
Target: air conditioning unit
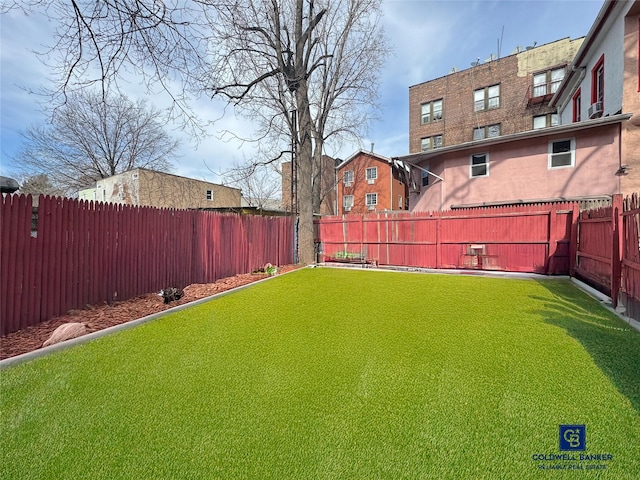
<point x="347" y="209"/>
<point x="347" y="184"/>
<point x="371" y="207"/>
<point x="595" y="110"/>
<point x="371" y="181"/>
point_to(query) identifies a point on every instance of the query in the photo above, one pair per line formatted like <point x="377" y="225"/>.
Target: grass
<point x="336" y="374"/>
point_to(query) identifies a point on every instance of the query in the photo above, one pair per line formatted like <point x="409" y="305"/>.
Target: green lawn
<point x="337" y="374"/>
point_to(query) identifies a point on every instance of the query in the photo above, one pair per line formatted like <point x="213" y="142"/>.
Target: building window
<point x="425" y="175"/>
<point x="400" y="202"/>
<point x="480" y="165"/>
<point x="486" y="98"/>
<point x="209" y="194"/>
<point x="577" y="106"/>
<point x="347" y="202"/>
<point x="562" y="153"/>
<point x="348" y="177"/>
<point x="544" y="121"/>
<point x="431" y="111"/>
<point x="488" y="131"/>
<point x="429" y="143"/>
<point x="372" y="174"/>
<point x="547" y="82"/>
<point x="372" y="199"/>
<point x="597" y="82"/>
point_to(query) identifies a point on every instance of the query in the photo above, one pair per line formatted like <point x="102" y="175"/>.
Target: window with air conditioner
<point x="595" y="110"/>
<point x="347" y="202"/>
<point x="562" y="153"/>
<point x="347" y="177"/>
<point x="372" y="174"/>
<point x="597" y="89"/>
<point x="371" y="200"/>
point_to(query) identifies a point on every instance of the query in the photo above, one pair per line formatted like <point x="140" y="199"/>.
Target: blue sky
<point x="429" y="39"/>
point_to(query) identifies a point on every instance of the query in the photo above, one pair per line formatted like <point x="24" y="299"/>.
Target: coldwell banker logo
<point x="573" y="438"/>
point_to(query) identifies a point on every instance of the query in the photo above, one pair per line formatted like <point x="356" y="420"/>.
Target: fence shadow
<point x="613" y="345"/>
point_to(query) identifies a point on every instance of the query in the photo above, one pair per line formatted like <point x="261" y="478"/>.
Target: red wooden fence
<point x="630" y="270"/>
<point x="86" y="253"/>
<point x="598" y="249"/>
<point x="535" y="238"/>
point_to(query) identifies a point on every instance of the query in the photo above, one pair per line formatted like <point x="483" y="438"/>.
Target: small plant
<point x="270" y="270"/>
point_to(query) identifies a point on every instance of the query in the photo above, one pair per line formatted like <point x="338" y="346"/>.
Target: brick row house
<point x="519" y="129"/>
<point x="369" y="182"/>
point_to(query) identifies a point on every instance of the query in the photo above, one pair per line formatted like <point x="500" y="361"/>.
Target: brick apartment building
<point x="369" y="182"/>
<point x="496" y="98"/>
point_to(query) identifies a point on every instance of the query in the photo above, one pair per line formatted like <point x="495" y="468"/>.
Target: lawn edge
<point x="41" y="352"/>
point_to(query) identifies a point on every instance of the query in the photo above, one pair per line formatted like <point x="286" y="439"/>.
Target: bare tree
<point x="259" y="183"/>
<point x="39" y="184"/>
<point x="319" y="58"/>
<point x="91" y="137"/>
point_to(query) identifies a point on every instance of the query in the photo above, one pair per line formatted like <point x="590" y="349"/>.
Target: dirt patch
<point x="99" y="317"/>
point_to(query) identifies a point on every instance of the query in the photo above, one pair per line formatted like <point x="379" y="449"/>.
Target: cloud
<point x="430" y="38"/>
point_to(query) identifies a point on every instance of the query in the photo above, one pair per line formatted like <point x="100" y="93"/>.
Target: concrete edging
<point x="604" y="300"/>
<point x="41" y="352"/>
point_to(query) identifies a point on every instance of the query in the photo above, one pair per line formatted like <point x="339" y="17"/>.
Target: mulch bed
<point x="99" y="317"/>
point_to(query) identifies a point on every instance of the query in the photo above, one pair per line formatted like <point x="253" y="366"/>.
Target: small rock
<point x="66" y="331"/>
<point x="172" y="293"/>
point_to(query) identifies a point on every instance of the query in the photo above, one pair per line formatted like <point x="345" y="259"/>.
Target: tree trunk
<point x="306" y="247"/>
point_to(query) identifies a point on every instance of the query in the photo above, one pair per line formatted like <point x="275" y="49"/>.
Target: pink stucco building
<point x="584" y="145"/>
<point x="567" y="162"/>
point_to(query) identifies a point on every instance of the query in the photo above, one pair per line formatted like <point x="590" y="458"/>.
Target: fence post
<point x="438" y="242"/>
<point x="616" y="262"/>
<point x="552" y="238"/>
<point x="573" y="242"/>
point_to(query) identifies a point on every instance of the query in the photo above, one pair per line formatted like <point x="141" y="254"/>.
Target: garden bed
<point x="99" y="317"/>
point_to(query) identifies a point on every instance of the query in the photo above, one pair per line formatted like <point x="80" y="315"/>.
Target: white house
<point x="604" y="80"/>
